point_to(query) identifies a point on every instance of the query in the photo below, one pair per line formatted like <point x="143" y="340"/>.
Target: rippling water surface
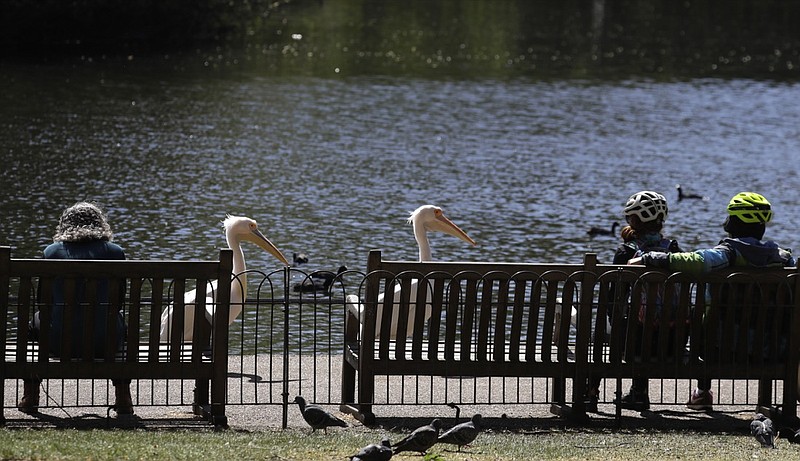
<point x="331" y="167"/>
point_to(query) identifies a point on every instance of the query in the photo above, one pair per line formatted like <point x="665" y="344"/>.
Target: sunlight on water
<point x="332" y="167"/>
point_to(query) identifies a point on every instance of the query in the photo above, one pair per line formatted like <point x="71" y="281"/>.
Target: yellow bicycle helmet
<point x="750" y="208"/>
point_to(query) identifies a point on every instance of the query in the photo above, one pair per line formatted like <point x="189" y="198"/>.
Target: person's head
<point x="82" y="222"/>
<point x="748" y="215"/>
<point x="646" y="211"/>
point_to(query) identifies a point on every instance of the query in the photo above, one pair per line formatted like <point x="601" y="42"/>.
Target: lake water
<point x="330" y="160"/>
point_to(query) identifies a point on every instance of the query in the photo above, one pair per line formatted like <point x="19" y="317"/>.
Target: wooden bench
<point x="509" y="320"/>
<point x="141" y="290"/>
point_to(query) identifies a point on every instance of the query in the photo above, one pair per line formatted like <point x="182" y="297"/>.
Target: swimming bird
<point x="237" y="229"/>
<point x="421" y="439"/>
<point x="374" y="452"/>
<point x="761" y="428"/>
<point x="299" y="258"/>
<point x="462" y="434"/>
<point x="316" y="417"/>
<point x="682" y="195"/>
<point x="319" y="281"/>
<point x="423" y="220"/>
<point x="599" y="231"/>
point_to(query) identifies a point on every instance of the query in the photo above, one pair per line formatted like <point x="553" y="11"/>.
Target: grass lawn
<point x="293" y="444"/>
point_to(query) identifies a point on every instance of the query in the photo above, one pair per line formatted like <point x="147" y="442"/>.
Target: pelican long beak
<point x="443" y="224"/>
<point x="258" y="238"/>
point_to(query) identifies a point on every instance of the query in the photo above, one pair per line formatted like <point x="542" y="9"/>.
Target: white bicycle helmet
<point x="647" y="206"/>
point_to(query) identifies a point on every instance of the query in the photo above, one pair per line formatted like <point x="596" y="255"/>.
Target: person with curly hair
<point x="83" y="232"/>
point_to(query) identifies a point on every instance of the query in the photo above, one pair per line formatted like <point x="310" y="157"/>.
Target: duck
<point x="320" y="281"/>
<point x="600" y="231"/>
<point x="299" y="258"/>
<point x="682" y="195"/>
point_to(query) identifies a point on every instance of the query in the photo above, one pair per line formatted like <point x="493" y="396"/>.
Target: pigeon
<point x="421" y="439"/>
<point x="462" y="434"/>
<point x="316" y="417"/>
<point x="374" y="452"/>
<point x="762" y="430"/>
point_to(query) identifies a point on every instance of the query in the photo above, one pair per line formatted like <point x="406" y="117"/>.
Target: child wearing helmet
<point x="645" y="213"/>
<point x="748" y="214"/>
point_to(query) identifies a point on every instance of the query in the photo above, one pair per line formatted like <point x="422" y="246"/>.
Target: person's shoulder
<point x="55" y="250"/>
<point x="114" y="251"/>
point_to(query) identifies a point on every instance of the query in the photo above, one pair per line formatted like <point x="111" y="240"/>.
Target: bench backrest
<point x="479" y="312"/>
<point x="507" y="313"/>
<point x="140" y="290"/>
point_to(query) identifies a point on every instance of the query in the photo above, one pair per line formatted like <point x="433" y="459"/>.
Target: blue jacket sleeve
<point x="698" y="261"/>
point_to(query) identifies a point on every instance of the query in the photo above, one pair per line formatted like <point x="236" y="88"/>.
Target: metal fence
<point x="289" y="340"/>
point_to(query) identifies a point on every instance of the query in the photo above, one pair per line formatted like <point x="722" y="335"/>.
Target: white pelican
<point x="423" y="219"/>
<point x="237" y="229"/>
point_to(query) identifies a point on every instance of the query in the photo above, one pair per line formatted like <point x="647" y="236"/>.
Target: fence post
<point x="286" y="276"/>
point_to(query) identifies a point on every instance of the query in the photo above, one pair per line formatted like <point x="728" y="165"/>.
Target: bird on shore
<point x="462" y="434"/>
<point x="601" y="231"/>
<point x="316" y="416"/>
<point x="374" y="452"/>
<point x="682" y="195"/>
<point x="456" y="408"/>
<point x="423" y="220"/>
<point x="320" y="281"/>
<point x="421" y="439"/>
<point x="237" y="229"/>
<point x="761" y="428"/>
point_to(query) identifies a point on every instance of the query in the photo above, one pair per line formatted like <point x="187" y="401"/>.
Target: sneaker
<point x="701" y="400"/>
<point x="634" y="400"/>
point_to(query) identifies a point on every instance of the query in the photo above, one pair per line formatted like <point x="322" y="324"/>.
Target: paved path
<point x="265" y="417"/>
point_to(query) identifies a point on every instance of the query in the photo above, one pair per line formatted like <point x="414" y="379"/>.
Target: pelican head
<point x="240" y="228"/>
<point x="432" y="218"/>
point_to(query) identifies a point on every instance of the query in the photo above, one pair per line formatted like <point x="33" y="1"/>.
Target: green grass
<point x="63" y="444"/>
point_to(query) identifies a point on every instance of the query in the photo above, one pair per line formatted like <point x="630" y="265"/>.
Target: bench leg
<point x="200" y="403"/>
<point x="366" y="394"/>
<point x="348" y="381"/>
<point x="765" y="393"/>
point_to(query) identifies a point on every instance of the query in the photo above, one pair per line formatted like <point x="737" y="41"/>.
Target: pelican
<point x="424" y="219"/>
<point x="237" y="229"/>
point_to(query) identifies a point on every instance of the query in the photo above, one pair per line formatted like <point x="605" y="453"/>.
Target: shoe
<point x="30" y="397"/>
<point x="701" y="400"/>
<point x="123" y="404"/>
<point x="634" y="400"/>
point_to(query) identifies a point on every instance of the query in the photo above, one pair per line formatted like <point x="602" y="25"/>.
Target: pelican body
<point x="423" y="220"/>
<point x="237" y="230"/>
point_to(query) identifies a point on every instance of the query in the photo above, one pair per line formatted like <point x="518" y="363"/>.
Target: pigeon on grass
<point x="762" y="429"/>
<point x="462" y="434"/>
<point x="374" y="452"/>
<point x="421" y="439"/>
<point x="316" y="417"/>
